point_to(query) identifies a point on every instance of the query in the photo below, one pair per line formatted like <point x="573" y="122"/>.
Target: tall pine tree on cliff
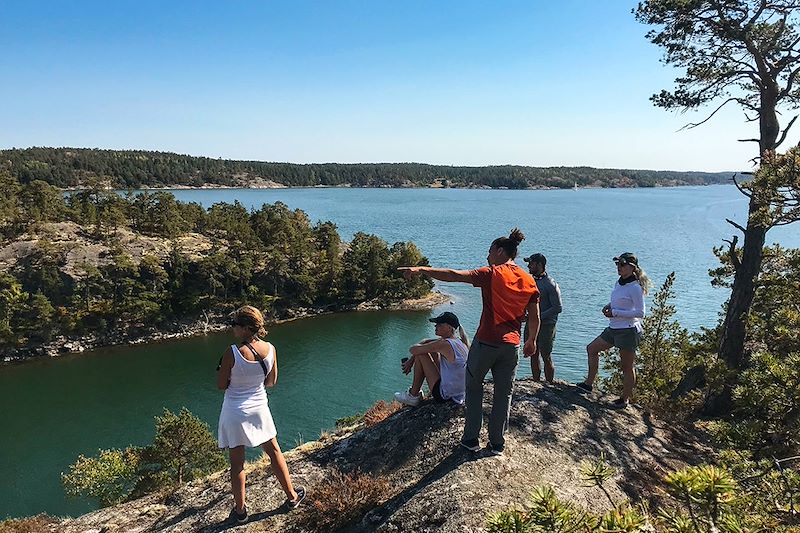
<point x="745" y="53"/>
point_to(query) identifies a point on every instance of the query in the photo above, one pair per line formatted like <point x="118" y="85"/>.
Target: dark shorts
<point x="546" y="338"/>
<point x="436" y="392"/>
<point x="624" y="339"/>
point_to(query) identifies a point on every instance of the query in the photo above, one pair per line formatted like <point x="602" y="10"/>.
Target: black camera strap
<point x="258" y="358"/>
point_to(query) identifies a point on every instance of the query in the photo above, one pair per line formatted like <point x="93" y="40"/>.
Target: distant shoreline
<point x="74" y="167"/>
<point x="212" y="187"/>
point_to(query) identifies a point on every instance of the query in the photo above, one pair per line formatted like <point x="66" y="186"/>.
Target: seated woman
<point x="441" y="362"/>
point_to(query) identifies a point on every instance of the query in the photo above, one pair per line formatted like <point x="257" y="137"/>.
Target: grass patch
<point x="341" y="499"/>
<point x="380" y="412"/>
<point x="32" y="524"/>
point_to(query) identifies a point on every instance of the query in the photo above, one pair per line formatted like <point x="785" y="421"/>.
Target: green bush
<point x="182" y="450"/>
<point x="108" y="478"/>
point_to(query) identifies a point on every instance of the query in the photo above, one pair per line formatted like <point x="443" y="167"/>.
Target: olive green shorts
<point x="624" y="338"/>
<point x="546" y="338"/>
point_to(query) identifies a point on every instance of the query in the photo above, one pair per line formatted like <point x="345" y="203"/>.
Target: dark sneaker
<point x="239" y="517"/>
<point x="471" y="445"/>
<point x="493" y="451"/>
<point x="293" y="504"/>
<point x="583" y="387"/>
<point x="619" y="403"/>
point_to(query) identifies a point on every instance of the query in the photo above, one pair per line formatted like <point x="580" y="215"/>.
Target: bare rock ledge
<point x="436" y="485"/>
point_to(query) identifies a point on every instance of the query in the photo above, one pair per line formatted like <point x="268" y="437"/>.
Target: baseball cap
<point x="535" y="258"/>
<point x="626" y="258"/>
<point x="446" y="318"/>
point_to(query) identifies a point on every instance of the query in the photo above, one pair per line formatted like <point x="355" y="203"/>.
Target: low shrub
<point x="380" y="412"/>
<point x="740" y="495"/>
<point x="347" y="421"/>
<point x="341" y="498"/>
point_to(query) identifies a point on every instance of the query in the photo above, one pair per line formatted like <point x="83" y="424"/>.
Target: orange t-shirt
<point x="507" y="290"/>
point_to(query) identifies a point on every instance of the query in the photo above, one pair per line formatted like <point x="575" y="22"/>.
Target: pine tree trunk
<point x="731" y="348"/>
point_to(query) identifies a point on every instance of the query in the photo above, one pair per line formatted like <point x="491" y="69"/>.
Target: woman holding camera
<point x="441" y="362"/>
<point x="245" y="369"/>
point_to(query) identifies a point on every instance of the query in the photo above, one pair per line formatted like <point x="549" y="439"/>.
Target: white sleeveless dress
<point x="245" y="419"/>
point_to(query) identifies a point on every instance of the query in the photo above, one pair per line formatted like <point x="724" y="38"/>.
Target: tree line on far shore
<point x="272" y="257"/>
<point x="133" y="169"/>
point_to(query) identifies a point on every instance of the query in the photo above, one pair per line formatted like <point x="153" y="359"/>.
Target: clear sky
<point x="462" y="82"/>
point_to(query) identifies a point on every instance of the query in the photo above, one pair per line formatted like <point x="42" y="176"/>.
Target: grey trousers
<point x="502" y="360"/>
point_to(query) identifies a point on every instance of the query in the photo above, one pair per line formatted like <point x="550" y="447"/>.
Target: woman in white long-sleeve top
<point x="624" y="312"/>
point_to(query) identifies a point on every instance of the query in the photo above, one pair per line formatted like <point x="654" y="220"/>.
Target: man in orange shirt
<point x="507" y="292"/>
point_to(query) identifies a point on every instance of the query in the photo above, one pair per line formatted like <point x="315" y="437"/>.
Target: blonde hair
<point x="251" y="318"/>
<point x="463" y="335"/>
<point x="644" y="279"/>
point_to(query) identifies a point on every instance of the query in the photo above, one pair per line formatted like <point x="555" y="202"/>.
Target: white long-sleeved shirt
<point x="627" y="305"/>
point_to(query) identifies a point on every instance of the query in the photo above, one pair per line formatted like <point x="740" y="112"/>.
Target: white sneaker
<point x="407" y="398"/>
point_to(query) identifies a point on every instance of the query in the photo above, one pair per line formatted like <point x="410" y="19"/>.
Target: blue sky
<point x="463" y="83"/>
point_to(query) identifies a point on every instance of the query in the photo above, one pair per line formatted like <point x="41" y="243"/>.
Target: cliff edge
<point x="424" y="480"/>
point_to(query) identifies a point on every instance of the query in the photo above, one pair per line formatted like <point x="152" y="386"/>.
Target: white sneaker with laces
<point x="407" y="398"/>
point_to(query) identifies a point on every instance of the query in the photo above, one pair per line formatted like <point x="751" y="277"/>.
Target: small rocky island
<point x="96" y="268"/>
<point x="407" y="472"/>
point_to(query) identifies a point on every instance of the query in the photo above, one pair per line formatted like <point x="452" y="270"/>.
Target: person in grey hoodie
<point x="549" y="307"/>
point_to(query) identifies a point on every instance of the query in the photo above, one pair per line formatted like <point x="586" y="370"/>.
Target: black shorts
<point x="436" y="392"/>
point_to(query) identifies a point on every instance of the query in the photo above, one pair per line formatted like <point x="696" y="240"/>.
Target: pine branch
<point x="735" y="225"/>
<point x="741" y="190"/>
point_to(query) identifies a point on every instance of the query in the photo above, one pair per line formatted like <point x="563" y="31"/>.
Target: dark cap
<point x="446" y="318"/>
<point x="626" y="258"/>
<point x="535" y="258"/>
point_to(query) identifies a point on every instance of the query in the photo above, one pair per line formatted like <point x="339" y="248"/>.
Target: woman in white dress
<point x="244" y="371"/>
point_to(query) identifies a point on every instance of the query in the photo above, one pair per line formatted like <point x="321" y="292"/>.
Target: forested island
<point x="113" y="268"/>
<point x="135" y="169"/>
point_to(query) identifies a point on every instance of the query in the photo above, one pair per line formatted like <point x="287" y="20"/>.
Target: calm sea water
<point x="334" y="366"/>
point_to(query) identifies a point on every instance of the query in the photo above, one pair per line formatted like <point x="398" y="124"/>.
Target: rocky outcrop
<point x="434" y="485"/>
<point x="82" y="249"/>
<point x="80" y="252"/>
